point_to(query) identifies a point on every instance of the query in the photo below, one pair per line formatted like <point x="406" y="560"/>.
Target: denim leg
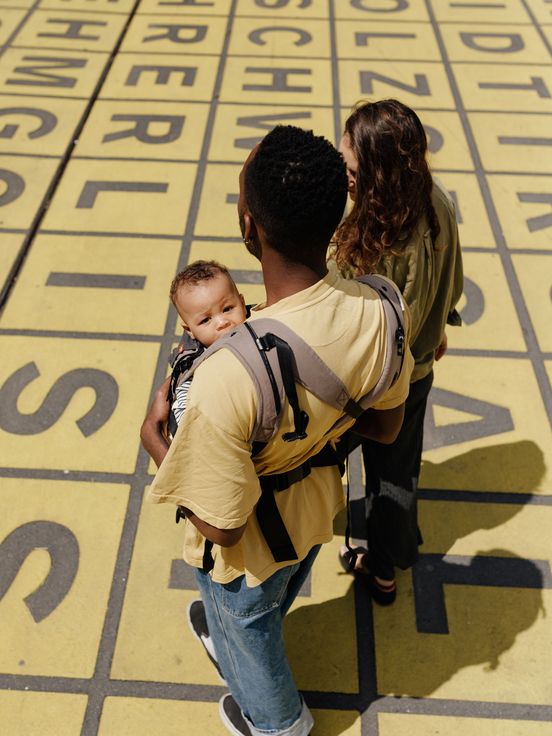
<point x="298" y="579"/>
<point x="215" y="624"/>
<point x="246" y="628"/>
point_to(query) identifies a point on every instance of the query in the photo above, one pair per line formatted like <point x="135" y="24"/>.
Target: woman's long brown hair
<point x="393" y="184"/>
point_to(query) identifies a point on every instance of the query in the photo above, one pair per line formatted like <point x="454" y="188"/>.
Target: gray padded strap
<point x="393" y="307"/>
<point x="241" y="344"/>
<point x="310" y="370"/>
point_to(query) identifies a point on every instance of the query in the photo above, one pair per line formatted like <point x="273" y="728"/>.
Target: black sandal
<point x="348" y="560"/>
<point x="383" y="595"/>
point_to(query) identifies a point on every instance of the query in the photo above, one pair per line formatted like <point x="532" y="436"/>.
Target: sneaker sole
<point x="226" y="721"/>
<point x="207" y="652"/>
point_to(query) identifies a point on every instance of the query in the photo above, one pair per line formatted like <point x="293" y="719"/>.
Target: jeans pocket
<point x="240" y="601"/>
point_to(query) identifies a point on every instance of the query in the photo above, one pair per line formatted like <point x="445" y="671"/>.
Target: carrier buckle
<point x="300" y="428"/>
<point x="399" y="337"/>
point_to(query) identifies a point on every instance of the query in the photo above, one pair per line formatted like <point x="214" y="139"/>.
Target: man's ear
<point x="249" y="229"/>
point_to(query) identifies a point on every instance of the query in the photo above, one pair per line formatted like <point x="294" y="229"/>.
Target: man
<point x="293" y="189"/>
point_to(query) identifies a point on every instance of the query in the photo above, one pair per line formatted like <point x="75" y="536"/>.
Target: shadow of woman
<point x="522" y="462"/>
<point x="443" y="522"/>
<point x="456" y="618"/>
<point x="513" y="467"/>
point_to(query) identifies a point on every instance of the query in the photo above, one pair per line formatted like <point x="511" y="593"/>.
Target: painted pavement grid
<point x="123" y="126"/>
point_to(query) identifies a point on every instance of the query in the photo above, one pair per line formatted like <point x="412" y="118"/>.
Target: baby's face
<point x="210" y="308"/>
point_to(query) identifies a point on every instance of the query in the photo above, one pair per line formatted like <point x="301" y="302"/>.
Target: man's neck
<point x="283" y="279"/>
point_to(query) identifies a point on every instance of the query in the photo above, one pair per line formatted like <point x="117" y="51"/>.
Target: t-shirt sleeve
<point x="208" y="467"/>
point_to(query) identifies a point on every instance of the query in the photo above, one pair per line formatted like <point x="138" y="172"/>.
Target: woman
<point x="402" y="224"/>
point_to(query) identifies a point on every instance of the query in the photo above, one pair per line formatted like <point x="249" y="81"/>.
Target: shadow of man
<point x="454" y="637"/>
<point x="458" y="613"/>
<point x="322" y="648"/>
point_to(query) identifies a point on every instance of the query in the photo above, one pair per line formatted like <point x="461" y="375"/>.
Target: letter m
<point x="45" y="78"/>
<point x="420" y="86"/>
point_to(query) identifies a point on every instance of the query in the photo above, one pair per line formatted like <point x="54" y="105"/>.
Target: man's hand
<point x="154" y="428"/>
<point x="155" y="441"/>
<point x="442" y="349"/>
<point x="380" y="425"/>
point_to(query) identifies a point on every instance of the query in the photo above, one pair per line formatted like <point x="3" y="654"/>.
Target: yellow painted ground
<point x="123" y="127"/>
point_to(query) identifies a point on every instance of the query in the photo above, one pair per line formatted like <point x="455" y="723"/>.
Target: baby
<point x="209" y="305"/>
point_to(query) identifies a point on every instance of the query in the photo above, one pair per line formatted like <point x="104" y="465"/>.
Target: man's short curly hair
<point x="296" y="189"/>
<point x="196" y="272"/>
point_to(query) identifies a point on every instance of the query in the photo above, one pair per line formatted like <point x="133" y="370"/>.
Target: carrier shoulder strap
<point x="180" y="360"/>
<point x="253" y="342"/>
<point x="394" y="309"/>
<point x="276" y="358"/>
<point x="263" y="371"/>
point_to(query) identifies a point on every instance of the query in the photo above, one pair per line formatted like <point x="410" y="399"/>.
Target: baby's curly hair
<point x="296" y="189"/>
<point x="196" y="272"/>
<point x="393" y="184"/>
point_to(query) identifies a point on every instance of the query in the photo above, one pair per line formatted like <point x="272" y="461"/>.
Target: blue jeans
<point x="246" y="625"/>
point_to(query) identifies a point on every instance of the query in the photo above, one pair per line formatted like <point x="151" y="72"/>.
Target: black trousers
<point x="392" y="473"/>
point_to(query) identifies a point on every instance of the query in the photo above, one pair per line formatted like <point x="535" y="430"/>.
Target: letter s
<point x="57" y="400"/>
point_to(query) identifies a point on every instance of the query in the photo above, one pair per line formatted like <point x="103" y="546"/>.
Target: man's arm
<point x="154" y="441"/>
<point x="153" y="430"/>
<point x="380" y="425"/>
<point x="222" y="537"/>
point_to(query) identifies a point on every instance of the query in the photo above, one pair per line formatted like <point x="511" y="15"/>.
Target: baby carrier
<point x="276" y="358"/>
<point x="181" y="360"/>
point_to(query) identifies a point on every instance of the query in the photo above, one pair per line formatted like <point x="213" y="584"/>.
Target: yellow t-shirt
<point x="209" y="468"/>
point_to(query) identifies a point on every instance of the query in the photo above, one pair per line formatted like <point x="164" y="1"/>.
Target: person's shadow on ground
<point x="513" y="467"/>
<point x="430" y="637"/>
<point x="522" y="462"/>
